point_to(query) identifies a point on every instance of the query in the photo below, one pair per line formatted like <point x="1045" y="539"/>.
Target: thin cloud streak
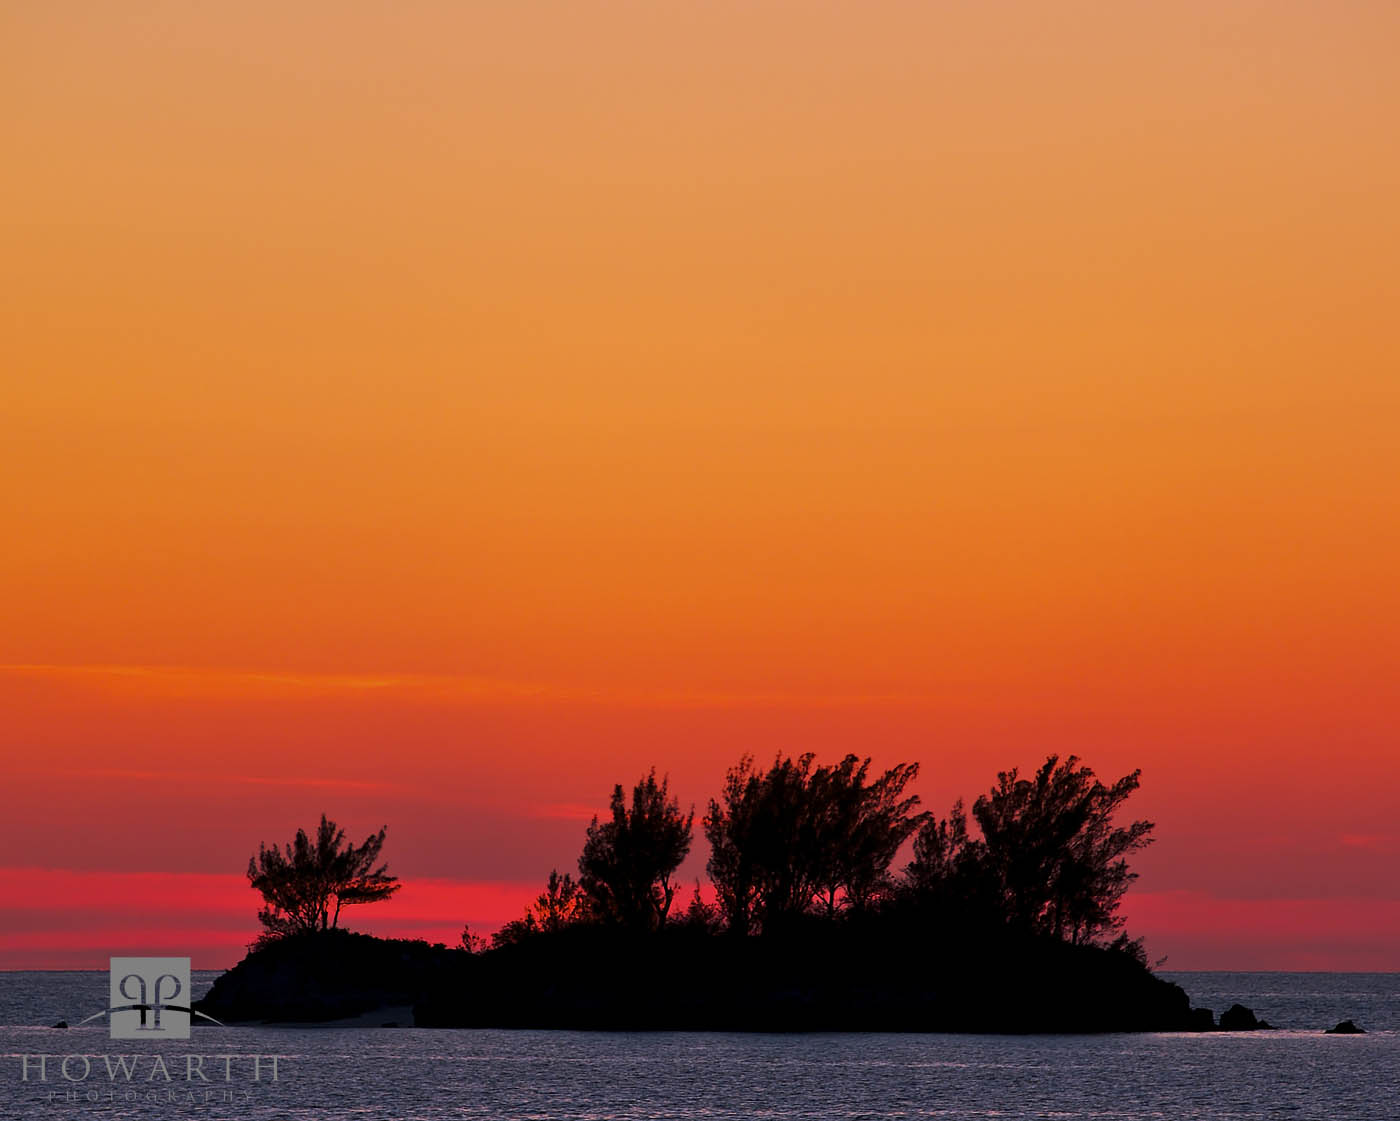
<point x="455" y="687"/>
<point x="247" y="780"/>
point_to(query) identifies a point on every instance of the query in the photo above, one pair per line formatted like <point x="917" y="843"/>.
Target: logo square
<point x="150" y="998"/>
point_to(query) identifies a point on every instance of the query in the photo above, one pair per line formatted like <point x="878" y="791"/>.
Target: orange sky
<point x="434" y="413"/>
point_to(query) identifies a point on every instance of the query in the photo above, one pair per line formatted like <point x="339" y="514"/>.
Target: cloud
<point x="247" y="780"/>
<point x="69" y="889"/>
<point x="218" y="681"/>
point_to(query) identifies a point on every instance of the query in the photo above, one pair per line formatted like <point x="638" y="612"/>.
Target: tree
<point x="948" y="879"/>
<point x="783" y="838"/>
<point x="1052" y="853"/>
<point x="942" y="852"/>
<point x="628" y="861"/>
<point x="561" y="904"/>
<point x="699" y="916"/>
<point x="762" y="843"/>
<point x="305" y="883"/>
<point x="473" y="943"/>
<point x="862" y="825"/>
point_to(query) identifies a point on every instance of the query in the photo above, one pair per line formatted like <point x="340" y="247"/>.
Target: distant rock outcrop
<point x="1346" y="1027"/>
<point x="1239" y="1018"/>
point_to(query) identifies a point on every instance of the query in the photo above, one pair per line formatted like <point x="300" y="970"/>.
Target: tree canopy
<point x="1050" y="860"/>
<point x="562" y="903"/>
<point x="783" y="838"/>
<point x="628" y="861"/>
<point x="305" y="883"/>
<point x="798" y="842"/>
<point x="1053" y="852"/>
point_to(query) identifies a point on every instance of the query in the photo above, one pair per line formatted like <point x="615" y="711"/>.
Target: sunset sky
<point x="435" y="412"/>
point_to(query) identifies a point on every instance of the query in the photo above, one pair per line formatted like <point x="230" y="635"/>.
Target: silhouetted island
<point x="822" y="979"/>
<point x="807" y="925"/>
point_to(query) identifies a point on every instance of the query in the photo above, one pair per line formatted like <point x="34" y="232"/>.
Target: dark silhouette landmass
<point x="1012" y="928"/>
<point x="322" y="977"/>
<point x="822" y="979"/>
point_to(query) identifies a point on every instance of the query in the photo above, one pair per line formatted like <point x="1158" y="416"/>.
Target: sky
<point x="432" y="414"/>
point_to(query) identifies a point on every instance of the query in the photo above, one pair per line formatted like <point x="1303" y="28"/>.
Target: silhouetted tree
<point x="517" y="930"/>
<point x="473" y="943"/>
<point x="782" y="837"/>
<point x="1051" y="850"/>
<point x="942" y="851"/>
<point x="305" y="883"/>
<point x="699" y="915"/>
<point x="862" y="825"/>
<point x="948" y="880"/>
<point x="762" y="842"/>
<point x="561" y="904"/>
<point x="627" y="862"/>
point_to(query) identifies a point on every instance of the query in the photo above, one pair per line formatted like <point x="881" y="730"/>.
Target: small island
<point x="1004" y="920"/>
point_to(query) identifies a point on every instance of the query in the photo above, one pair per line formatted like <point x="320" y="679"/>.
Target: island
<point x="1004" y="919"/>
<point x="831" y="979"/>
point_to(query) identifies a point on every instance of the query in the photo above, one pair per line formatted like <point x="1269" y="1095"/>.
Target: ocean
<point x="405" y="1074"/>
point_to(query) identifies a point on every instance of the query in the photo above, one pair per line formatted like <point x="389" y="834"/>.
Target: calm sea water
<point x="369" y="1074"/>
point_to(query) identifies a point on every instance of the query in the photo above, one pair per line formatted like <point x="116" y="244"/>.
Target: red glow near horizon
<point x="473" y="832"/>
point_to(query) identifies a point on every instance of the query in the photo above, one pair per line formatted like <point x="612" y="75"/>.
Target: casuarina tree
<point x="562" y="903"/>
<point x="797" y="837"/>
<point x="628" y="862"/>
<point x="1052" y="851"/>
<point x="305" y="883"/>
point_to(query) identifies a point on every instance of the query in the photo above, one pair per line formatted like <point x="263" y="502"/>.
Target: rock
<point x="389" y="1024"/>
<point x="1239" y="1018"/>
<point x="1346" y="1027"/>
<point x="1201" y="1019"/>
<point x="327" y="976"/>
<point x="61" y="1024"/>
